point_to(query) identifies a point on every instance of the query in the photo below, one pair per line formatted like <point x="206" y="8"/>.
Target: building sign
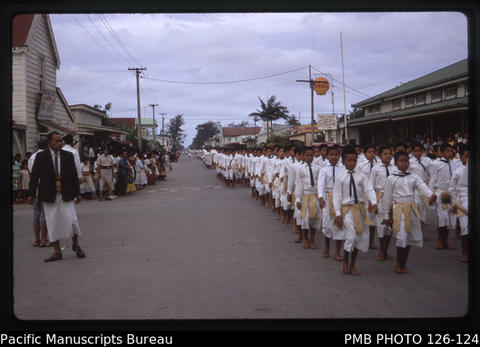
<point x="327" y="122"/>
<point x="47" y="104"/>
<point x="321" y="85"/>
<point x="300" y="129"/>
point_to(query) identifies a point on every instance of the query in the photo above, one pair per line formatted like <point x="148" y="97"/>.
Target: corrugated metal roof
<point x="238" y="131"/>
<point x="442" y="105"/>
<point x="450" y="72"/>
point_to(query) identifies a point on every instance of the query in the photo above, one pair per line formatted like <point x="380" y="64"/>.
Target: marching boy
<point x="350" y="191"/>
<point x="306" y="179"/>
<point x="405" y="218"/>
<point x="326" y="180"/>
<point x="378" y="179"/>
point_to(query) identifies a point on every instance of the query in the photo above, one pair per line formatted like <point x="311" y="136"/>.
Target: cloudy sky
<point x="211" y="54"/>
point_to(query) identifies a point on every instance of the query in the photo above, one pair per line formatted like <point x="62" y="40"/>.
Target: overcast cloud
<point x="381" y="50"/>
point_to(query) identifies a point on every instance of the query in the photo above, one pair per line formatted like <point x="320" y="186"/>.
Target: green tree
<point x="175" y="131"/>
<point x="205" y="131"/>
<point x="270" y="111"/>
<point x="292" y="120"/>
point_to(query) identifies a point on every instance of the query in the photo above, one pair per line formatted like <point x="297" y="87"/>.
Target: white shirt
<point x="31" y="160"/>
<point x="366" y="166"/>
<point x="459" y="183"/>
<point x="326" y="179"/>
<point x="441" y="174"/>
<point x="401" y="188"/>
<point x="292" y="170"/>
<point x="421" y="167"/>
<point x="341" y="190"/>
<point x="303" y="183"/>
<point x="378" y="177"/>
<point x="52" y="155"/>
<point x="76" y="158"/>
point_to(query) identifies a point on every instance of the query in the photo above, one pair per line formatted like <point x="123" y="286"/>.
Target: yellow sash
<point x="444" y="206"/>
<point x="460" y="210"/>
<point x="379" y="195"/>
<point x="59" y="186"/>
<point x="404" y="208"/>
<point x="285" y="184"/>
<point x="265" y="179"/>
<point x="359" y="216"/>
<point x="309" y="200"/>
<point x="330" y="202"/>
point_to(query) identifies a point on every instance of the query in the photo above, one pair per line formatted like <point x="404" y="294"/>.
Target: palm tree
<point x="270" y="111"/>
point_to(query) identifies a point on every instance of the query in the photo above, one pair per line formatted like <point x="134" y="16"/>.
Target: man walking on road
<point x="55" y="175"/>
<point x="105" y="163"/>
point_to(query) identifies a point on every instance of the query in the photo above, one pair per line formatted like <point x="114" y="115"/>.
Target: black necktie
<point x="420" y="162"/>
<point x="352" y="184"/>
<point x="386" y="168"/>
<point x="311" y="175"/>
<point x="449" y="167"/>
<point x="371" y="165"/>
<point x="333" y="173"/>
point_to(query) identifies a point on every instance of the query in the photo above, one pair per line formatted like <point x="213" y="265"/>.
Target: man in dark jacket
<point x="54" y="174"/>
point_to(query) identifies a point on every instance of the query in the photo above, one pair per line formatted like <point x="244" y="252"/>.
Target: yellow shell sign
<point x="321" y="85"/>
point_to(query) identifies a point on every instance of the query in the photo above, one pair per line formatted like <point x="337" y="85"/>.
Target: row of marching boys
<point x="350" y="195"/>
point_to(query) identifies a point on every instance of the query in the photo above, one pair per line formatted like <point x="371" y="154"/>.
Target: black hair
<point x="68" y="139"/>
<point x="417" y="144"/>
<point x="42" y="143"/>
<point x="348" y="150"/>
<point x="400" y="144"/>
<point x="332" y="148"/>
<point x="399" y="154"/>
<point x="367" y="147"/>
<point x="383" y="148"/>
<point x="50" y="135"/>
<point x="462" y="149"/>
<point x="444" y="146"/>
<point x="307" y="148"/>
<point x="322" y="146"/>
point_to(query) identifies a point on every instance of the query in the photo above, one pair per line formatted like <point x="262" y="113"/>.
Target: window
<point x="370" y="109"/>
<point x="420" y="99"/>
<point x="376" y="108"/>
<point x="437" y="95"/>
<point x="409" y="101"/>
<point x="451" y="92"/>
<point x="41" y="74"/>
<point x="396" y="104"/>
<point x="466" y="88"/>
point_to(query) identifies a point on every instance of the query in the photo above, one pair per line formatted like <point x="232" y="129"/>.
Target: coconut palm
<point x="270" y="111"/>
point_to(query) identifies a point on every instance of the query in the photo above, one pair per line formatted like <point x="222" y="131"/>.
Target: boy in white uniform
<point x="292" y="171"/>
<point x="440" y="177"/>
<point x="420" y="165"/>
<point x="350" y="191"/>
<point x="366" y="168"/>
<point x="378" y="179"/>
<point x="310" y="218"/>
<point x="459" y="193"/>
<point x="404" y="217"/>
<point x="326" y="180"/>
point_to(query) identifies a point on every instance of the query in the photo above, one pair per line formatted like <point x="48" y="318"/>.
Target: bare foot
<point x="278" y="218"/>
<point x="313" y="246"/>
<point x="298" y="240"/>
<point x="306" y="244"/>
<point x="345" y="268"/>
<point x="426" y="238"/>
<point x="439" y="245"/>
<point x="405" y="270"/>
<point x="464" y="258"/>
<point x="388" y="257"/>
<point x="397" y="268"/>
<point x="372" y="246"/>
<point x="338" y="257"/>
<point x="325" y="254"/>
<point x="380" y="256"/>
<point x="353" y="271"/>
<point x="449" y="247"/>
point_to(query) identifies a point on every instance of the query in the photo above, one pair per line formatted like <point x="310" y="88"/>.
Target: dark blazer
<point x="43" y="177"/>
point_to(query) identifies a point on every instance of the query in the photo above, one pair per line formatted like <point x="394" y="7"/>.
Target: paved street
<point x="191" y="248"/>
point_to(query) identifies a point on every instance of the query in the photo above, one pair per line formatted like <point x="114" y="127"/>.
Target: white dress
<point x="303" y="186"/>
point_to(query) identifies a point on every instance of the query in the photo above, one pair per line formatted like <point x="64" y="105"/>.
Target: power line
<point x="115" y="36"/>
<point x="346" y="85"/>
<point x="108" y="41"/>
<point x="94" y="39"/>
<point x="226" y="82"/>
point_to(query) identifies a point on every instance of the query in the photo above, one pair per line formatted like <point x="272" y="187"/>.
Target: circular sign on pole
<point x="321" y="85"/>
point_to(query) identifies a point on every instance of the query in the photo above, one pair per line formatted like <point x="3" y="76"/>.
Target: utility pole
<point x="344" y="96"/>
<point x="154" y="125"/>
<point x="139" y="117"/>
<point x="311" y="96"/>
<point x="163" y="123"/>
